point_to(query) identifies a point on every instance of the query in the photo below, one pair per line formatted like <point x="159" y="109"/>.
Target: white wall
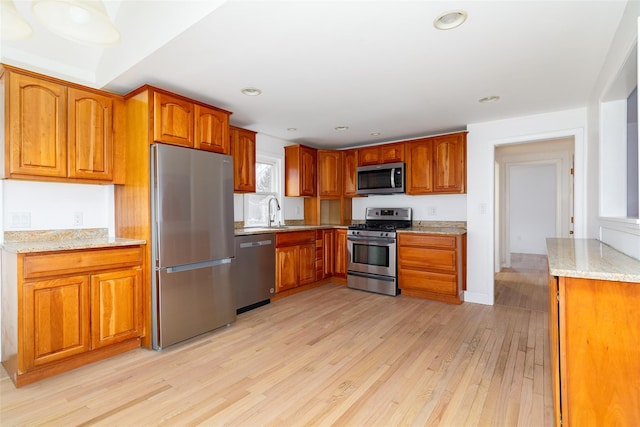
<point x="51" y="205"/>
<point x="481" y="142"/>
<point x="532" y="207"/>
<point x="445" y="207"/>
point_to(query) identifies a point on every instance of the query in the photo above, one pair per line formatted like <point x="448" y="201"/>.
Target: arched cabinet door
<point x="37" y="127"/>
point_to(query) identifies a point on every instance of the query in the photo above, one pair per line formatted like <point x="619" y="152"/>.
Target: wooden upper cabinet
<point x="437" y="164"/>
<point x="211" y="129"/>
<point x="450" y="165"/>
<point x="419" y="168"/>
<point x="91" y="135"/>
<point x="37" y="127"/>
<point x="59" y="131"/>
<point x="379" y="154"/>
<point x="172" y="120"/>
<point x="350" y="161"/>
<point x="330" y="173"/>
<point x="243" y="150"/>
<point x="300" y="170"/>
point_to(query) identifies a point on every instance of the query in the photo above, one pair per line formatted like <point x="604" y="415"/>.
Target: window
<point x="256" y="205"/>
<point x="619" y="145"/>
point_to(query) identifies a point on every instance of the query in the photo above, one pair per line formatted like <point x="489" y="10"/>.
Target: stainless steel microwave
<point x="387" y="178"/>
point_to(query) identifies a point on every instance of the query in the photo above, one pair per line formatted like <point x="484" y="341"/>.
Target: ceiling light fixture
<point x="489" y="99"/>
<point x="251" y="91"/>
<point x="82" y="21"/>
<point x="292" y="129"/>
<point x="341" y="128"/>
<point x="449" y="20"/>
<point x="14" y="27"/>
<point x="374" y="133"/>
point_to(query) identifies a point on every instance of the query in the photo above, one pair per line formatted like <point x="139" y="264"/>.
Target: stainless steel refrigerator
<point x="192" y="243"/>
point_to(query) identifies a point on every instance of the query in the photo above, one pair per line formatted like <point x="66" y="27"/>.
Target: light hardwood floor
<point x="327" y="356"/>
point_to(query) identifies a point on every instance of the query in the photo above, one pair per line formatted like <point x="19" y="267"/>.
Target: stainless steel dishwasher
<point x="253" y="272"/>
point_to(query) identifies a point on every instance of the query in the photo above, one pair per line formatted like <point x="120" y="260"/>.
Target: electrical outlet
<point x="21" y="219"/>
<point x="431" y="210"/>
<point x="77" y="219"/>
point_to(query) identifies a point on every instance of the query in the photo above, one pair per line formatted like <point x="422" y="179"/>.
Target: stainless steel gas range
<point x="372" y="250"/>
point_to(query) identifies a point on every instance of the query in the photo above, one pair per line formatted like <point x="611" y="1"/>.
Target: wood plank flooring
<point x="327" y="356"/>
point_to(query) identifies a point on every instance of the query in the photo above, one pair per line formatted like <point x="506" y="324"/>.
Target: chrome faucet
<point x="272" y="217"/>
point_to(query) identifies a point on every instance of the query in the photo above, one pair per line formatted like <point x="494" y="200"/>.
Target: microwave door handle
<point x="393" y="184"/>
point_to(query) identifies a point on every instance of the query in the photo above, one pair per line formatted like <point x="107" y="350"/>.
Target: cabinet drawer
<point x="448" y="242"/>
<point x="290" y="238"/>
<point x="73" y="262"/>
<point x="427" y="281"/>
<point x="427" y="259"/>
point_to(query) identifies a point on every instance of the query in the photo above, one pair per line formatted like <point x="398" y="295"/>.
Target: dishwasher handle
<point x="255" y="244"/>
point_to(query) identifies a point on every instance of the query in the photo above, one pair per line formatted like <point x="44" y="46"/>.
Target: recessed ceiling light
<point x="450" y="19"/>
<point x="251" y="91"/>
<point x="292" y="129"/>
<point x="341" y="128"/>
<point x="489" y="99"/>
<point x="374" y="133"/>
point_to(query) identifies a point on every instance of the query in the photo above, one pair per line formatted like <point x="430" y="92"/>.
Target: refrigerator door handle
<point x="197" y="265"/>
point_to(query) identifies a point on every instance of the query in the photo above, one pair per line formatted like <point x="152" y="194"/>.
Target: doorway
<point x="534" y="200"/>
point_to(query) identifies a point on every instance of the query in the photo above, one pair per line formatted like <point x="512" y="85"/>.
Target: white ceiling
<point x="374" y="66"/>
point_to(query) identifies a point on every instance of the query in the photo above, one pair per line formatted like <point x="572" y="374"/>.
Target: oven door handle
<point x="374" y="240"/>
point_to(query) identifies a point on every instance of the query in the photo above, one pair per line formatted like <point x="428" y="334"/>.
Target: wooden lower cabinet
<point x="77" y="307"/>
<point x="295" y="259"/>
<point x="325" y="259"/>
<point x="594" y="332"/>
<point x="341" y="254"/>
<point x="431" y="266"/>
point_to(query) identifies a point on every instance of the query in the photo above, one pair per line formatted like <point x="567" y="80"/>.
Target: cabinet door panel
<point x="330" y="173"/>
<point x="391" y="153"/>
<point x="172" y="120"/>
<point x="350" y="166"/>
<point x="90" y="135"/>
<point x="211" y="130"/>
<point x="307" y="264"/>
<point x="368" y="156"/>
<point x="56" y="319"/>
<point x="427" y="281"/>
<point x="37" y="115"/>
<point x="449" y="159"/>
<point x="243" y="148"/>
<point x="420" y="167"/>
<point x="340" y="267"/>
<point x="287" y="268"/>
<point x="115" y="307"/>
<point x="427" y="258"/>
<point x="328" y="237"/>
<point x="308" y="174"/>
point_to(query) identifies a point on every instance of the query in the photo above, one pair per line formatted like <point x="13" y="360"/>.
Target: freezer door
<point x="192" y="302"/>
<point x="192" y="205"/>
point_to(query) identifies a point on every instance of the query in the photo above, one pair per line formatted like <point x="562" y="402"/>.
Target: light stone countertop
<point x="62" y="240"/>
<point x="439" y="228"/>
<point x="590" y="259"/>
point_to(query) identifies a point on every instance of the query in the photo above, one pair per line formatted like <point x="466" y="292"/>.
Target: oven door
<point x="372" y="255"/>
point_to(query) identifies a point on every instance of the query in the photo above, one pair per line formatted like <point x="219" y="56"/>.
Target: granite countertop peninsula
<point x="62" y="240"/>
<point x="437" y="227"/>
<point x="590" y="259"/>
